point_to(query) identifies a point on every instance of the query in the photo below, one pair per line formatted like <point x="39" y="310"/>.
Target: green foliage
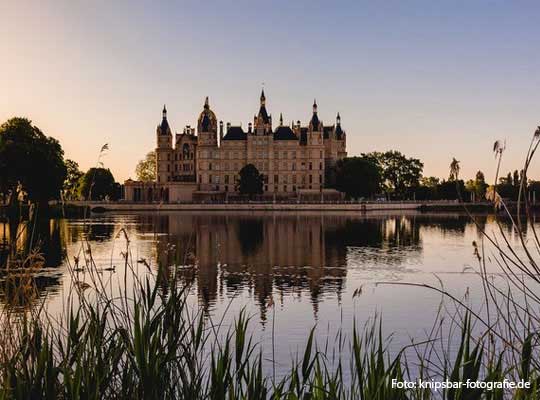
<point x="71" y="184"/>
<point x="251" y="181"/>
<point x="146" y="169"/>
<point x="399" y="173"/>
<point x="30" y="161"/>
<point x="98" y="184"/>
<point x="357" y="177"/>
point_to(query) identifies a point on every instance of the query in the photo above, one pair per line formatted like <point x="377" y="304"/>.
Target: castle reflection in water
<point x="273" y="255"/>
<point x="264" y="256"/>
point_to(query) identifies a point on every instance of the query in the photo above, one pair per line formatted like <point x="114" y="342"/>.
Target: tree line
<point x="33" y="169"/>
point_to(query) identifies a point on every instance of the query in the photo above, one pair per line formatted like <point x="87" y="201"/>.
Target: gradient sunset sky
<point x="432" y="79"/>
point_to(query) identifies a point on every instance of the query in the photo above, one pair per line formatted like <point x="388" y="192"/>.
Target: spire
<point x="314" y="123"/>
<point x="338" y="119"/>
<point x="263" y="98"/>
<point x="280" y="119"/>
<point x="164" y="112"/>
<point x="206" y="104"/>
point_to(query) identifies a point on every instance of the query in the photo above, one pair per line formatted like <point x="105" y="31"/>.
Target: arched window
<point x="185" y="151"/>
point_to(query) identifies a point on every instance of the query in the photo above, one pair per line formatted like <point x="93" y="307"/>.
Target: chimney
<point x="220" y="128"/>
<point x="228" y="126"/>
<point x="250" y="126"/>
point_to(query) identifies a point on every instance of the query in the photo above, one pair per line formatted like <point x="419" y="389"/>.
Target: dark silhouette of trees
<point x="98" y="184"/>
<point x="71" y="184"/>
<point x="251" y="181"/>
<point x="357" y="177"/>
<point x="30" y="162"/>
<point x="399" y="173"/>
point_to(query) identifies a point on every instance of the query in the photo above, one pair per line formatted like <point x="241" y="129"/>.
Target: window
<point x="210" y="166"/>
<point x="320" y="178"/>
<point x="310" y="179"/>
<point x="276" y="180"/>
<point x="276" y="154"/>
<point x="320" y="165"/>
<point x="294" y="179"/>
<point x="320" y="154"/>
<point x="294" y="166"/>
<point x="226" y="179"/>
<point x="310" y="166"/>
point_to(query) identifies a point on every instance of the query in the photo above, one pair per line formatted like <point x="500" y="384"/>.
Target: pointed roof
<point x="164" y="128"/>
<point x="315" y="123"/>
<point x="339" y="131"/>
<point x="207" y="119"/>
<point x="263" y="114"/>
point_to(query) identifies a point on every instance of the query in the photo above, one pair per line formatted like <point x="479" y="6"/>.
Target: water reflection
<point x="300" y="254"/>
<point x="264" y="256"/>
<point x="28" y="252"/>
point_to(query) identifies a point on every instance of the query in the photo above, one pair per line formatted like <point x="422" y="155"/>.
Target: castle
<point x="204" y="164"/>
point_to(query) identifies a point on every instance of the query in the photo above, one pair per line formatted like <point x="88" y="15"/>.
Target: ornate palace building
<point x="204" y="163"/>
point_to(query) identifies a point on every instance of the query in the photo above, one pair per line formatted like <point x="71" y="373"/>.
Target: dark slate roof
<point x="339" y="132"/>
<point x="235" y="133"/>
<point x="164" y="127"/>
<point x="284" y="133"/>
<point x="327" y="131"/>
<point x="315" y="122"/>
<point x="264" y="114"/>
<point x="303" y="136"/>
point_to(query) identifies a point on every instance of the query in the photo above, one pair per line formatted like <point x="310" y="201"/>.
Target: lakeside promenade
<point x="280" y="206"/>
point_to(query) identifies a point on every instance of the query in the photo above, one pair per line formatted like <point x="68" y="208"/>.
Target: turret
<point x="164" y="148"/>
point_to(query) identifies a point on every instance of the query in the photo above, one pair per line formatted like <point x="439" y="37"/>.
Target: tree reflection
<point x="29" y="248"/>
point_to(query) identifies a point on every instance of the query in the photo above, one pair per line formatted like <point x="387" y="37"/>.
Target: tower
<point x="164" y="149"/>
<point x="262" y="122"/>
<point x="207" y="159"/>
<point x="315" y="150"/>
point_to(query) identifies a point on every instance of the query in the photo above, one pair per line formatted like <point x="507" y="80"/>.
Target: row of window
<point x="264" y="166"/>
<point x="260" y="153"/>
<point x="286" y="179"/>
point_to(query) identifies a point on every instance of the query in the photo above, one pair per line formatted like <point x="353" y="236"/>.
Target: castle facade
<point x="204" y="163"/>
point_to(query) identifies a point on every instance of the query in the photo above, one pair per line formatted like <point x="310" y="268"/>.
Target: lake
<point x="290" y="271"/>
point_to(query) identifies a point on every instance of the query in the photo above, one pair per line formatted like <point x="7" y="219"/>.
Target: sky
<point x="432" y="79"/>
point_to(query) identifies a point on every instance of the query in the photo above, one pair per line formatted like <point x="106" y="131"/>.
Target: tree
<point x="146" y="169"/>
<point x="71" y="184"/>
<point x="30" y="162"/>
<point x="480" y="185"/>
<point x="98" y="184"/>
<point x="357" y="177"/>
<point x="429" y="181"/>
<point x="251" y="181"/>
<point x="399" y="173"/>
<point x="451" y="189"/>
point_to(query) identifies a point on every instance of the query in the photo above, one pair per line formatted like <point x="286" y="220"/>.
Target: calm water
<point x="299" y="268"/>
